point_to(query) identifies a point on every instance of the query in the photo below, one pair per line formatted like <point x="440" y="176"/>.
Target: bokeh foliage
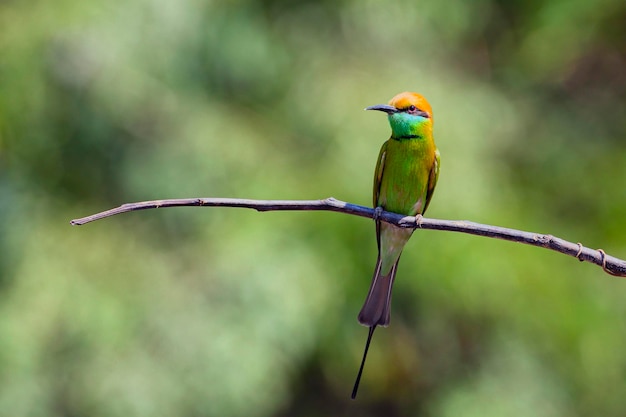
<point x="194" y="312"/>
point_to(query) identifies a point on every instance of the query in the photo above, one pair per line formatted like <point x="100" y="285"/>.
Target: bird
<point x="406" y="174"/>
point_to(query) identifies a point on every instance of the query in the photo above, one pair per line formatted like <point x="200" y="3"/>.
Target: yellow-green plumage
<point x="406" y="174"/>
<point x="404" y="181"/>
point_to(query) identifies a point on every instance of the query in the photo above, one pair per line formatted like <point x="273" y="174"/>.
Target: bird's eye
<point x="411" y="108"/>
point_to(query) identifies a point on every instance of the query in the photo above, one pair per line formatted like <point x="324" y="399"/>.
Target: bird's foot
<point x="418" y="220"/>
<point x="378" y="211"/>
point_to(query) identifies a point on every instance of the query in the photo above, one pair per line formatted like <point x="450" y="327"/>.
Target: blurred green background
<point x="225" y="312"/>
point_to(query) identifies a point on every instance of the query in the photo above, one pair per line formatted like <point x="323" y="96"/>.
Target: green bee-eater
<point x="404" y="181"/>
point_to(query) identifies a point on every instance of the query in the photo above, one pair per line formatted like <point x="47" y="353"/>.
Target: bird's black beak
<point x="383" y="107"/>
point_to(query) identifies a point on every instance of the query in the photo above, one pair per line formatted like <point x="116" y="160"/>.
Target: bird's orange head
<point x="410" y="115"/>
<point x="404" y="101"/>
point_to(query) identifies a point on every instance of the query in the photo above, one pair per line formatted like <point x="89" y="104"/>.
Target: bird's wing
<point x="378" y="176"/>
<point x="432" y="179"/>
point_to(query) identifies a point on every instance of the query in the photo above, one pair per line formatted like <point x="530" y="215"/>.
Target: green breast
<point x="406" y="169"/>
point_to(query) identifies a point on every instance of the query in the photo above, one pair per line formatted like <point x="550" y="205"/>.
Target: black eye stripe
<point x="412" y="109"/>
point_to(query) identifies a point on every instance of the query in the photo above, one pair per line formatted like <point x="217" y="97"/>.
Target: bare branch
<point x="610" y="264"/>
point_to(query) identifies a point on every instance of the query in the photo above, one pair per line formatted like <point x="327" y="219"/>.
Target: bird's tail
<point x="376" y="310"/>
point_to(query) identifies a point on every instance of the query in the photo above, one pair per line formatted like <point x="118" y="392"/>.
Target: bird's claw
<point x="378" y="211"/>
<point x="418" y="220"/>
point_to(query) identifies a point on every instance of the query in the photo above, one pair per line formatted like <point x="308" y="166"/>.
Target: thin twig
<point x="609" y="264"/>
